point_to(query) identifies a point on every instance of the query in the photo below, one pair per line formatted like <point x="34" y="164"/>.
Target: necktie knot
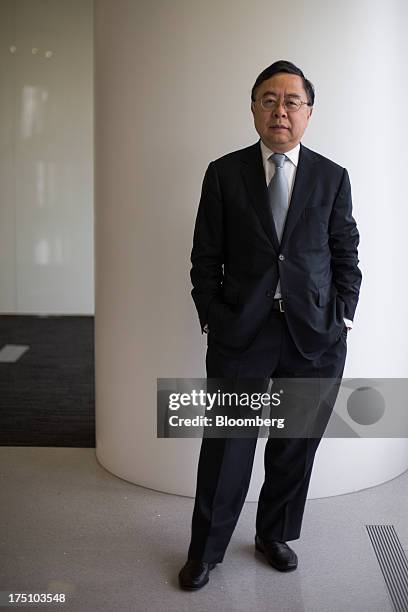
<point x="278" y="159"/>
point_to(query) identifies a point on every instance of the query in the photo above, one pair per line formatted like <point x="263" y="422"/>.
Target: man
<point x="276" y="283"/>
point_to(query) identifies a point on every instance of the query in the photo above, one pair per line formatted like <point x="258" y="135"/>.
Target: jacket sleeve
<point x="207" y="256"/>
<point x="343" y="241"/>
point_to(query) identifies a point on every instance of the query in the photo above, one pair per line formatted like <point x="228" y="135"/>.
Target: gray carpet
<point x="47" y="396"/>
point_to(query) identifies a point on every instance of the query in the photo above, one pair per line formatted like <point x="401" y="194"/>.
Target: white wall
<point x="46" y="157"/>
<point x="173" y="83"/>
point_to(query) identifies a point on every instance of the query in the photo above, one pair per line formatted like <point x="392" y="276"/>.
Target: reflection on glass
<point x="33" y="108"/>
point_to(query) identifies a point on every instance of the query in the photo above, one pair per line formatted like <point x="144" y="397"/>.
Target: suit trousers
<point x="225" y="464"/>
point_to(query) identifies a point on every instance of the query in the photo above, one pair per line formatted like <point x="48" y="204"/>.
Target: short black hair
<point x="288" y="67"/>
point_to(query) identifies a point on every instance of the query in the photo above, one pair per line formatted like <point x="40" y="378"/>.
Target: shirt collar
<point x="292" y="155"/>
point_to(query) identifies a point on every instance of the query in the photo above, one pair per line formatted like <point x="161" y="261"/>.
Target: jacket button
<point x="281" y="257"/>
<point x="268" y="294"/>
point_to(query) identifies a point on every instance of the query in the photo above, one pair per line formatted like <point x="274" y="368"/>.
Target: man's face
<point x="278" y="128"/>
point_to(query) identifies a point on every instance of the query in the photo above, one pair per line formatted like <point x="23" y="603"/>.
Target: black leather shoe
<point x="278" y="554"/>
<point x="195" y="574"/>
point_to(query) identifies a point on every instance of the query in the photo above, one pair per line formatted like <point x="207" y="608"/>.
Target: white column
<point x="173" y="83"/>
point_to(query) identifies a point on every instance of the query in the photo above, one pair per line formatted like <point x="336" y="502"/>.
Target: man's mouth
<point x="279" y="127"/>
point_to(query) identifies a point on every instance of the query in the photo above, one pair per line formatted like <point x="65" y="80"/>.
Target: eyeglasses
<point x="291" y="105"/>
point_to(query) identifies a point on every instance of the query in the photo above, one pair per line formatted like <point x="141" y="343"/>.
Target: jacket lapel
<point x="254" y="177"/>
<point x="305" y="180"/>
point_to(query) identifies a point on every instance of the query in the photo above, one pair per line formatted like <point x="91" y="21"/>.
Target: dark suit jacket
<point x="237" y="260"/>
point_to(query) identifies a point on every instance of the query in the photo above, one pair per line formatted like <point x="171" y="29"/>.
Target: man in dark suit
<point x="276" y="283"/>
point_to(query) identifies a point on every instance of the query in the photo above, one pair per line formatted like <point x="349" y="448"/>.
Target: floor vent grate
<point x="393" y="563"/>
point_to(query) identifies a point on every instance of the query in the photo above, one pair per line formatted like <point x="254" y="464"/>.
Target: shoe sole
<point x="274" y="565"/>
<point x="197" y="588"/>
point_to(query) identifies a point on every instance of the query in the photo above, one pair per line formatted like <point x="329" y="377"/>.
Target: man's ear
<point x="311" y="111"/>
<point x="252" y="107"/>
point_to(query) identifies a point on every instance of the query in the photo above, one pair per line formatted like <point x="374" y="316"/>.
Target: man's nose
<point x="279" y="110"/>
